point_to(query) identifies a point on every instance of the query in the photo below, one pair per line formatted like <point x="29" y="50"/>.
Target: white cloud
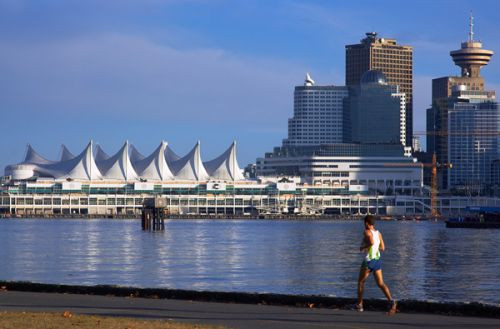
<point x="114" y="74"/>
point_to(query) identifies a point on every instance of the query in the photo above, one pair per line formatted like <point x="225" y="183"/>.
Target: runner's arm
<point x="382" y="244"/>
<point x="367" y="241"/>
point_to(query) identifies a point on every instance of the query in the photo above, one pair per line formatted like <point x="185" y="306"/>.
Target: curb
<point x="307" y="301"/>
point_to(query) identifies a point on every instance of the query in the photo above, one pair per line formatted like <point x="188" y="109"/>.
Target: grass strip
<point x="40" y="320"/>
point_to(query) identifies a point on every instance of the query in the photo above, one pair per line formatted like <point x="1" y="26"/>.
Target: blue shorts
<point x="372" y="265"/>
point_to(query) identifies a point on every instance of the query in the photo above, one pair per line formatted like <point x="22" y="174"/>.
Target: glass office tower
<point x="473" y="124"/>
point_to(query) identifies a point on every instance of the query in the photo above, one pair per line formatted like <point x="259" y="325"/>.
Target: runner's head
<point x="369" y="221"/>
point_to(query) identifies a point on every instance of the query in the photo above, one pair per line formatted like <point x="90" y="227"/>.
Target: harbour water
<point x="424" y="260"/>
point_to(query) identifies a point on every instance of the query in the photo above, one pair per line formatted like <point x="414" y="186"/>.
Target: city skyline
<point x="152" y="70"/>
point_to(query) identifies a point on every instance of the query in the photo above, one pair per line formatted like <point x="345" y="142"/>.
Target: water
<point x="424" y="260"/>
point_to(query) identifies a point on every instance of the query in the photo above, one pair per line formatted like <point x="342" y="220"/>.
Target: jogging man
<point x="372" y="244"/>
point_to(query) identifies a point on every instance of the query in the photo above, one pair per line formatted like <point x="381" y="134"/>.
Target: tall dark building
<point x="470" y="58"/>
<point x="385" y="55"/>
<point x="374" y="112"/>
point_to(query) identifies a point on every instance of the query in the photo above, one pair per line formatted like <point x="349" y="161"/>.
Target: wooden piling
<point x="153" y="214"/>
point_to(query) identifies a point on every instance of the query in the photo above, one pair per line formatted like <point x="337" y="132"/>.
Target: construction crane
<point x="434" y="165"/>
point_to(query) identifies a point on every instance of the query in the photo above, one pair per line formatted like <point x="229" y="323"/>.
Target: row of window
<point x="78" y="201"/>
<point x="309" y="93"/>
<point x="310" y="138"/>
<point x="299" y="126"/>
<point x="317" y="94"/>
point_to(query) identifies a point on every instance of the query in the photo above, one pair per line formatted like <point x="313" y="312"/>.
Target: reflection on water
<point x="424" y="260"/>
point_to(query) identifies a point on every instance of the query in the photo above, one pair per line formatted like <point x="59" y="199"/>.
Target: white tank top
<point x="373" y="251"/>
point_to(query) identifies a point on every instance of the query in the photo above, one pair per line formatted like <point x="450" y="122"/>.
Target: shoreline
<point x="231" y="217"/>
<point x="473" y="309"/>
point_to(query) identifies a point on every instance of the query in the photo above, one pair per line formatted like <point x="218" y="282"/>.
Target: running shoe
<point x="394" y="307"/>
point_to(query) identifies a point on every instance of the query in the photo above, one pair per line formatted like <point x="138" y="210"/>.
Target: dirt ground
<point x="35" y="320"/>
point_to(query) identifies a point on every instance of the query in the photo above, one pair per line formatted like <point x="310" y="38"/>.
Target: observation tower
<point x="471" y="56"/>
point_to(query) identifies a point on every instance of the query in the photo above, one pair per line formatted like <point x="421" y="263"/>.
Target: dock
<point x="472" y="224"/>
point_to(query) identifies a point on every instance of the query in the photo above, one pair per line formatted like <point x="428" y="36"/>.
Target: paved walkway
<point x="242" y="316"/>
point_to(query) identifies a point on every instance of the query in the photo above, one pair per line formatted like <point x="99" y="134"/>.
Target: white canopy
<point x="33" y="157"/>
<point x="80" y="167"/>
<point x="190" y="167"/>
<point x="100" y="155"/>
<point x="135" y="155"/>
<point x="225" y="167"/>
<point x="155" y="166"/>
<point x="128" y="164"/>
<point x="66" y="154"/>
<point x="170" y="155"/>
<point x="118" y="166"/>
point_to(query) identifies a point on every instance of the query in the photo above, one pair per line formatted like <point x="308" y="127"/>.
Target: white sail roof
<point x="66" y="154"/>
<point x="33" y="157"/>
<point x="118" y="166"/>
<point x="80" y="167"/>
<point x="84" y="165"/>
<point x="225" y="167"/>
<point x="135" y="155"/>
<point x="190" y="167"/>
<point x="100" y="155"/>
<point x="170" y="155"/>
<point x="128" y="164"/>
<point x="155" y="166"/>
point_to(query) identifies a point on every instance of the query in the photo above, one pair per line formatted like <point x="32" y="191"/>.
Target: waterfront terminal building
<point x="378" y="169"/>
<point x="97" y="185"/>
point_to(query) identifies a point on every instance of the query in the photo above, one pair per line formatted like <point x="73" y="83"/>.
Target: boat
<point x="477" y="217"/>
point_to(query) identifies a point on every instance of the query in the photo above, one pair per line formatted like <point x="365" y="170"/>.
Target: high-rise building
<point x="473" y="120"/>
<point x="375" y="112"/>
<point x="495" y="176"/>
<point x="395" y="61"/>
<point x="317" y="115"/>
<point x="470" y="58"/>
<point x="368" y="155"/>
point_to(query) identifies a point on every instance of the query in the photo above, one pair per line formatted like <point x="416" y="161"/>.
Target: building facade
<point x="364" y="149"/>
<point x="471" y="57"/>
<point x="374" y="168"/>
<point x="385" y="55"/>
<point x="473" y="127"/>
<point x="317" y="115"/>
<point x="375" y="112"/>
<point x="48" y="199"/>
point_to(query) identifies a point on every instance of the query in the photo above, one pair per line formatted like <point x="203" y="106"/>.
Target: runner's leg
<point x="380" y="283"/>
<point x="364" y="273"/>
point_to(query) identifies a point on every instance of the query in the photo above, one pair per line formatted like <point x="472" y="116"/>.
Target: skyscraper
<point x="317" y="115"/>
<point x="470" y="58"/>
<point x="473" y="119"/>
<point x="375" y="112"/>
<point x="395" y="61"/>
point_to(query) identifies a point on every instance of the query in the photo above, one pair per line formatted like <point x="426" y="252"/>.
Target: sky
<point x="210" y="70"/>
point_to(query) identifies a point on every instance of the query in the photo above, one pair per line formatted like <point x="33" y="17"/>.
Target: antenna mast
<point x="471" y="27"/>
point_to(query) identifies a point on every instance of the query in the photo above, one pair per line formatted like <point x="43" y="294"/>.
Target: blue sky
<point x="209" y="70"/>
